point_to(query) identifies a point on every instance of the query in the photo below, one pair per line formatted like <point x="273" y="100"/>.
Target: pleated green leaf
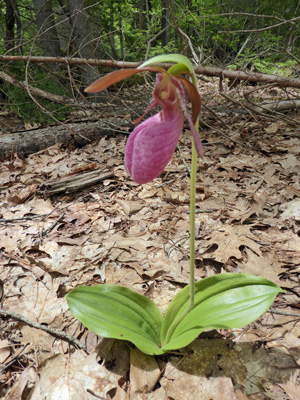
<point x="222" y="301"/>
<point x="120" y="313"/>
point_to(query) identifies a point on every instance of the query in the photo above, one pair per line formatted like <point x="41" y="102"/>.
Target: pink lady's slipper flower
<point x="151" y="144"/>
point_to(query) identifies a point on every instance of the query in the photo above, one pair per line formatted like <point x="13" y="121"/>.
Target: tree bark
<point x="111" y="32"/>
<point x="12" y="18"/>
<point x="9" y="40"/>
<point x="76" y="182"/>
<point x="46" y="25"/>
<point x="80" y="134"/>
<point x="278" y="106"/>
<point x="82" y="37"/>
<point x="142" y="15"/>
<point x="165" y="23"/>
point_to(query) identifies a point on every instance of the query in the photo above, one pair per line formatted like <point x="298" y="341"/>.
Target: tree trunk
<point x="12" y="18"/>
<point x="82" y="37"/>
<point x="165" y="22"/>
<point x="175" y="30"/>
<point x="142" y="16"/>
<point x="47" y="30"/>
<point x="121" y="34"/>
<point x="9" y="40"/>
<point x="110" y="33"/>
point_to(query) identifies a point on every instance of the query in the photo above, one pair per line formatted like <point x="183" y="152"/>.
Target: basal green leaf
<point x="221" y="301"/>
<point x="166" y="58"/>
<point x="120" y="313"/>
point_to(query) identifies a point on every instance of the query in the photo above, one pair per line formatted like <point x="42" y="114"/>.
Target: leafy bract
<point x="175" y="58"/>
<point x="221" y="301"/>
<point x="117" y="76"/>
<point x="120" y="313"/>
<point x="178" y="68"/>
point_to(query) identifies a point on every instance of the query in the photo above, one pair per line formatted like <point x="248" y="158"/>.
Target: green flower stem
<point x="192" y="225"/>
<point x="180" y="316"/>
<point x="193" y="212"/>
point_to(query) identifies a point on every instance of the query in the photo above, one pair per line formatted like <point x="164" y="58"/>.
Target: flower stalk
<point x="192" y="223"/>
<point x="193" y="212"/>
<point x="192" y="226"/>
<point x="152" y="143"/>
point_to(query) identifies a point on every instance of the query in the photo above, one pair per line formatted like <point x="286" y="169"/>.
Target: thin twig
<point x="288" y="21"/>
<point x="96" y="395"/>
<point x="215" y="115"/>
<point x="226" y="136"/>
<point x="53" y="331"/>
<point x="152" y="39"/>
<point x="240" y="104"/>
<point x="27" y="218"/>
<point x="42" y="216"/>
<point x="286" y="313"/>
<point x="13" y="360"/>
<point x="250" y="91"/>
<point x="52" y="226"/>
<point x="183" y="160"/>
<point x="246" y="14"/>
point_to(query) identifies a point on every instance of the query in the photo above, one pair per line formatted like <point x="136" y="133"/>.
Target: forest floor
<point x="247" y="220"/>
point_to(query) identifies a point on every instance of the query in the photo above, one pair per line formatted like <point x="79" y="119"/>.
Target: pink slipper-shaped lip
<point x="152" y="143"/>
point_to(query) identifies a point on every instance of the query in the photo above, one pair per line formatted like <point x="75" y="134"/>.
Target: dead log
<point x="77" y="134"/>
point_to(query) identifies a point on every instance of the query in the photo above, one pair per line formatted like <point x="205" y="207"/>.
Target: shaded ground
<point x="248" y="213"/>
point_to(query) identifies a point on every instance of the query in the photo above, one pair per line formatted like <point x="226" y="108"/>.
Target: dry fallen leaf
<point x="229" y="240"/>
<point x="144" y="373"/>
<point x="292" y="386"/>
<point x="137" y="236"/>
<point x="76" y="377"/>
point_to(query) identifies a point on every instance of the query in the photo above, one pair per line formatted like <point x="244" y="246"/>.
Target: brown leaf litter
<point x="114" y="231"/>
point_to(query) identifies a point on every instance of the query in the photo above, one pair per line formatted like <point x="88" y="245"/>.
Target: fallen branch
<point x="286" y="313"/>
<point x="284" y="105"/>
<point x="53" y="331"/>
<point x="38" y="92"/>
<point x="72" y="61"/>
<point x="280" y="81"/>
<point x="75" y="183"/>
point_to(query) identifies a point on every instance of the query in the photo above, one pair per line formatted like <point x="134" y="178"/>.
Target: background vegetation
<point x="256" y="35"/>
